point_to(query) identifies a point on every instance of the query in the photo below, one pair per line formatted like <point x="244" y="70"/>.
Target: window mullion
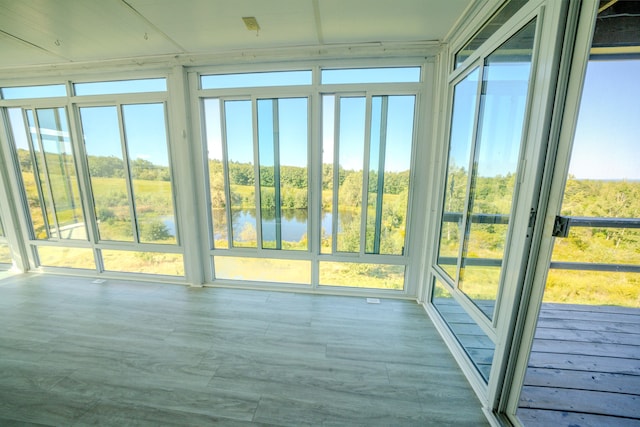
<point x="256" y="173"/>
<point x="474" y="138"/>
<point x="127" y="174"/>
<point x="45" y="166"/>
<point x="276" y="174"/>
<point x="336" y="175"/>
<point x="225" y="171"/>
<point x="36" y="174"/>
<point x="381" y="163"/>
<point x="364" y="205"/>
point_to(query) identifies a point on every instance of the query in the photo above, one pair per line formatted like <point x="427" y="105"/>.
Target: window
<point x="483" y="161"/>
<point x="374" y="157"/>
<point x="25" y="92"/>
<point x="267" y="222"/>
<point x="280" y="191"/>
<point x="120" y="86"/>
<point x="128" y="164"/>
<point x="265" y="79"/>
<point x="371" y="75"/>
<point x="49" y="178"/>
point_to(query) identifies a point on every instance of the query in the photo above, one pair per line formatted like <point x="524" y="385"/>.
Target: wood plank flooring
<point x="584" y="368"/>
<point x="123" y="353"/>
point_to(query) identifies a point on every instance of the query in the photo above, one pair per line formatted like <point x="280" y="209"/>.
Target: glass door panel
<point x="583" y="366"/>
<point x="150" y="172"/>
<point x="465" y="95"/>
<point x="108" y="173"/>
<point x="239" y="147"/>
<point x="282" y="138"/>
<point x="350" y="146"/>
<point x="495" y="163"/>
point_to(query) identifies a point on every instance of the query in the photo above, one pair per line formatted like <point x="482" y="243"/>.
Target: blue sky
<point x="607" y="139"/>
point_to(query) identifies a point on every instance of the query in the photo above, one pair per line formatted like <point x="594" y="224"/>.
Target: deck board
<point x="584" y="368"/>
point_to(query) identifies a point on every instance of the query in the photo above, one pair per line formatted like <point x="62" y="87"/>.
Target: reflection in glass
<point x="328" y="136"/>
<point x="351" y="154"/>
<point x="28" y="173"/>
<point x="101" y="131"/>
<point x="263" y="269"/>
<point x="475" y="342"/>
<point x="360" y="275"/>
<point x="50" y="183"/>
<point x="216" y="173"/>
<point x="494" y="24"/>
<point x="146" y="138"/>
<point x="495" y="162"/>
<point x="465" y="96"/>
<point x="239" y="146"/>
<point x="1" y="229"/>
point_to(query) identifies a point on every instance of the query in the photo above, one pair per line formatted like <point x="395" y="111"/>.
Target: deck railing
<point x="567" y="223"/>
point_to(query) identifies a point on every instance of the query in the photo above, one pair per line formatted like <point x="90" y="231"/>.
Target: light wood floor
<point x="125" y="353"/>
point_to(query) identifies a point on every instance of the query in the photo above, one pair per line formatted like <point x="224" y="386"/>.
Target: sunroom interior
<point x="444" y="194"/>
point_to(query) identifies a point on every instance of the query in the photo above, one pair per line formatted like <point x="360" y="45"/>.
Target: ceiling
<point x="41" y="32"/>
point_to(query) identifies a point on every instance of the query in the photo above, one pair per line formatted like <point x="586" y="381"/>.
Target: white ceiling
<point x="37" y="32"/>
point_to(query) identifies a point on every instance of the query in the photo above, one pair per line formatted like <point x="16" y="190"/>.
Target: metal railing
<point x="565" y="222"/>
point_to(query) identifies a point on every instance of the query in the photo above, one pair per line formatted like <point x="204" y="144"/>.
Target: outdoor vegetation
<point x="583" y="198"/>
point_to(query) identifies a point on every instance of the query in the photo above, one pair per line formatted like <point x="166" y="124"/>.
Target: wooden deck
<point x="584" y="368"/>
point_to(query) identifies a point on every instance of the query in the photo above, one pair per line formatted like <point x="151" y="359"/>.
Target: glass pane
<point x="239" y="144"/>
<point x="55" y="256"/>
<point x="5" y="254"/>
<point x="143" y="262"/>
<point x="42" y="184"/>
<point x="475" y="342"/>
<point x="502" y="110"/>
<point x="360" y="275"/>
<point x="263" y="269"/>
<point x="389" y="164"/>
<point x="28" y="172"/>
<point x="460" y="141"/>
<point x="586" y="338"/>
<point x="397" y="165"/>
<point x="371" y="75"/>
<point x="1" y="229"/>
<point x="146" y="136"/>
<point x="216" y="173"/>
<point x="121" y="86"/>
<point x="495" y="23"/>
<point x="293" y="128"/>
<point x="276" y="78"/>
<point x="328" y="143"/>
<point x="24" y="92"/>
<point x="270" y="213"/>
<point x="351" y="158"/>
<point x="59" y="165"/>
<point x="101" y="131"/>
